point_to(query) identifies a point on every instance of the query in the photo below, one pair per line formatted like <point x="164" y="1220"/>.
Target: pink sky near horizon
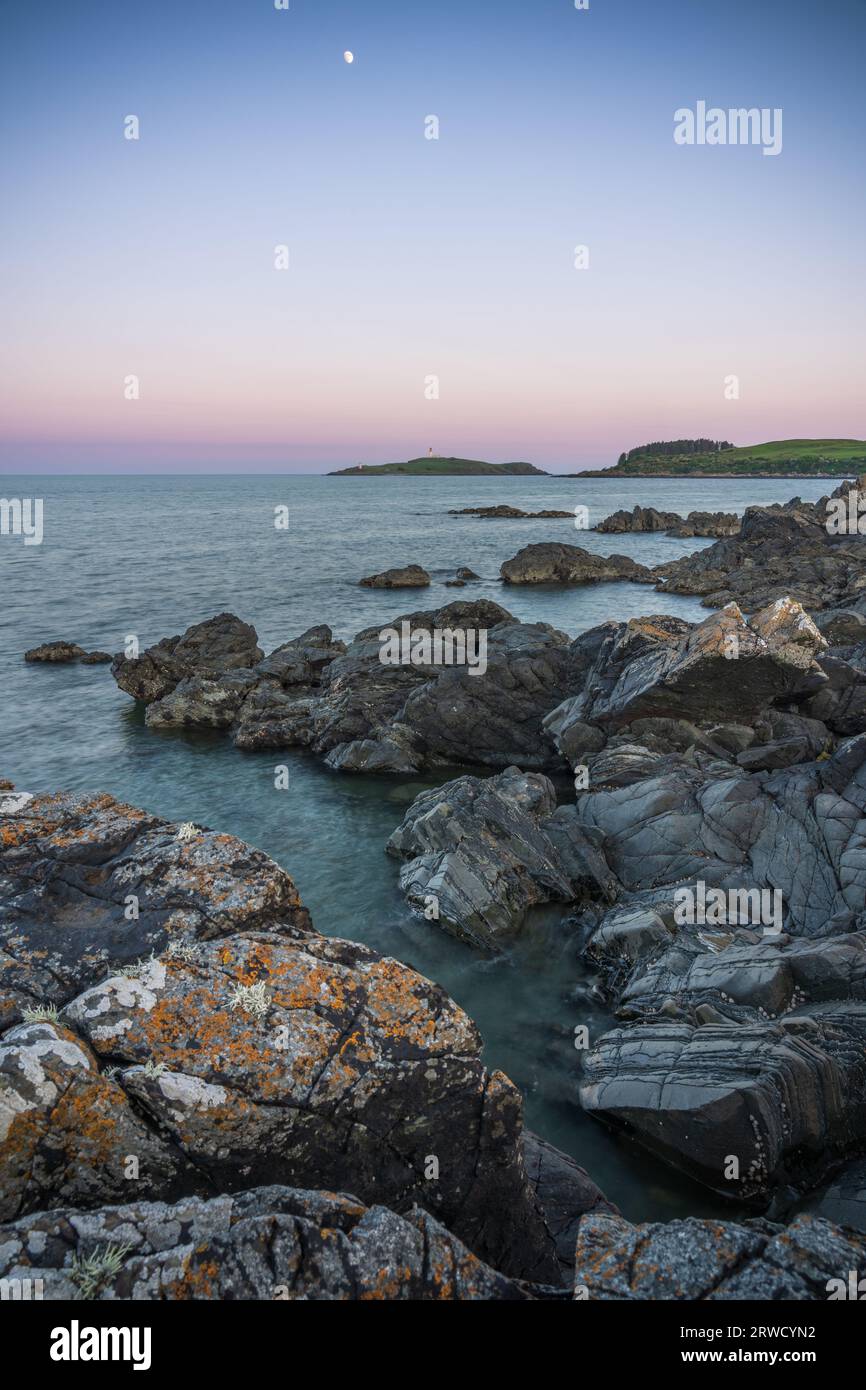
<point x="413" y="258"/>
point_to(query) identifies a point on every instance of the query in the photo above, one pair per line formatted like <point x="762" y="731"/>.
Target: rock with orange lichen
<point x="262" y="1059"/>
<point x="252" y="1048"/>
<point x="69" y="1134"/>
<point x="275" y="1243"/>
<point x="88" y="884"/>
<point x="713" y="1260"/>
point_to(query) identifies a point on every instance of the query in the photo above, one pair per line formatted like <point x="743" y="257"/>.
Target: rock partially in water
<point x="503" y="511"/>
<point x="486" y="850"/>
<point x="405" y="577"/>
<point x="554" y="563"/>
<point x="480" y="853"/>
<point x="642" y="519"/>
<point x="56" y="652"/>
<point x="206" y="650"/>
<point x="792" y="550"/>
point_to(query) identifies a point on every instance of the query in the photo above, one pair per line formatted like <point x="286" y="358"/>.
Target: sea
<point x="149" y="555"/>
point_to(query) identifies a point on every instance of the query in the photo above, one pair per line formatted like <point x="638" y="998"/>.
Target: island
<point x="707" y="458"/>
<point x="432" y="465"/>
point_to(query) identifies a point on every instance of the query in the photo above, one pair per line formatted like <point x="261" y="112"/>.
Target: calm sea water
<point x="150" y="555"/>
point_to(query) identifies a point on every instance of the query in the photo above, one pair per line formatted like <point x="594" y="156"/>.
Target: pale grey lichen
<point x="252" y="999"/>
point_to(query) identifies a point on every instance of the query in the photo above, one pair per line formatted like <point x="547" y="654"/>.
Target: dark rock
<point x="649" y="519"/>
<point x="407" y="577"/>
<point x="779" y="551"/>
<point x="55" y="652"/>
<point x="554" y="563"/>
<point x="206" y="650"/>
<point x="464" y="573"/>
<point x="507" y="512"/>
<point x="722" y="669"/>
<point x="96" y="658"/>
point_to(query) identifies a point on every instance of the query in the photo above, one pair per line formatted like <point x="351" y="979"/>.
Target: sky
<point x="412" y="259"/>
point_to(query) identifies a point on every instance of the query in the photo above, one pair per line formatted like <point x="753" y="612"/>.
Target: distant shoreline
<point x="719" y="477"/>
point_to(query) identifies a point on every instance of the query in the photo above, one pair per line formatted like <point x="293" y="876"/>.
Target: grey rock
<point x="694" y="1260"/>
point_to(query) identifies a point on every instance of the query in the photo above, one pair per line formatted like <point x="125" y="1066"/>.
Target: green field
<point x="430" y="467"/>
<point x="780" y="457"/>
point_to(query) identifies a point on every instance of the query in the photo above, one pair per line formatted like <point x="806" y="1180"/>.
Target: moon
<point x="348" y="56"/>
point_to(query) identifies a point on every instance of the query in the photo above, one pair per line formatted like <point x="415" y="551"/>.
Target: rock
<point x="779" y="1104"/>
<point x="67" y="1132"/>
<point x="235" y="1045"/>
<point x="507" y="512"/>
<point x="206" y="650"/>
<point x="196" y="702"/>
<point x="716" y="524"/>
<point x="409" y="577"/>
<point x="554" y="563"/>
<point x="68" y="865"/>
<point x="455" y="583"/>
<point x="480" y="853"/>
<point x="464" y="573"/>
<point x="715" y="1260"/>
<point x="649" y="519"/>
<point x="780" y="551"/>
<point x="639" y="519"/>
<point x="55" y="652"/>
<point x="96" y="658"/>
<point x="566" y="1192"/>
<point x="266" y="1243"/>
<point x="842" y="627"/>
<point x="844" y="1198"/>
<point x="303" y="660"/>
<point x="722" y="669"/>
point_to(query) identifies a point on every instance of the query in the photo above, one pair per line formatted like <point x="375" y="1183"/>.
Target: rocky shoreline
<point x="190" y="1073"/>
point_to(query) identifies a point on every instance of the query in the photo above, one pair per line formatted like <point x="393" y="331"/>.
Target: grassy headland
<point x="430" y="467"/>
<point x="787" y="458"/>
